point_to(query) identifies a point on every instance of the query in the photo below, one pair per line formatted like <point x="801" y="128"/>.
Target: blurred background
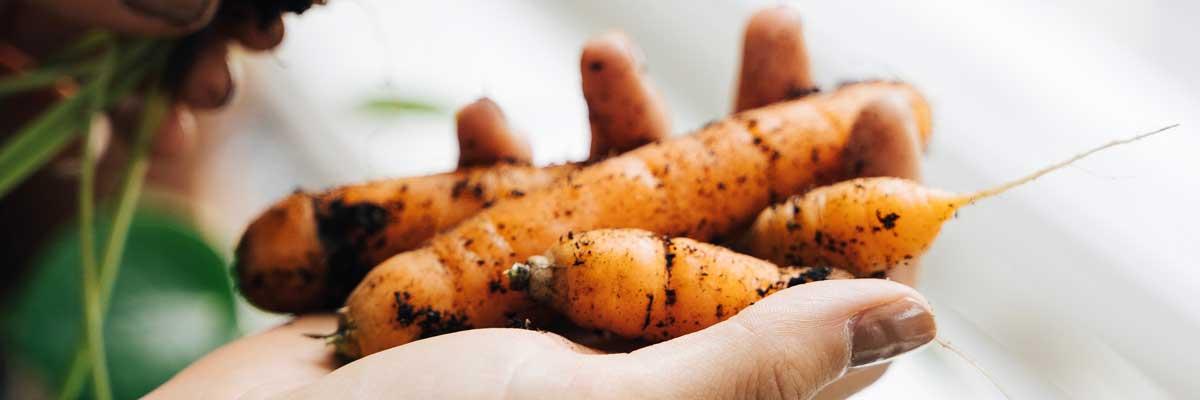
<point x="1079" y="285"/>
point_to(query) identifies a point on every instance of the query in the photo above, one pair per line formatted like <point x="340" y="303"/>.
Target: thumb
<point x="789" y="345"/>
<point x="139" y="17"/>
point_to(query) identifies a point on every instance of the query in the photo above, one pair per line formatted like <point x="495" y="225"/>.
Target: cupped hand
<point x="789" y="345"/>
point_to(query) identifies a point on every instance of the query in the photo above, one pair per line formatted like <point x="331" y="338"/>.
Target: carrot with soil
<point x="639" y="285"/>
<point x="870" y="225"/>
<point x="309" y="250"/>
<point x="704" y="186"/>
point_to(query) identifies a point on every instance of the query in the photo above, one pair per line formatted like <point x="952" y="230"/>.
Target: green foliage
<point x="39" y="140"/>
<point x="172" y="303"/>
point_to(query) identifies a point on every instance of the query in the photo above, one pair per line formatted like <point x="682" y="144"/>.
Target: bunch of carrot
<point x="809" y="185"/>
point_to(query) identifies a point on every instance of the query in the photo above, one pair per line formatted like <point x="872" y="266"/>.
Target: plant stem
<point x="154" y="109"/>
<point x="93" y="320"/>
<point x="92" y="312"/>
<point x="79" y="369"/>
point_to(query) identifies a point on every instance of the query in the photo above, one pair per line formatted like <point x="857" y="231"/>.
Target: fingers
<point x="788" y="345"/>
<point x="484" y="137"/>
<point x="884" y="141"/>
<point x="272" y="361"/>
<point x="774" y="60"/>
<point x="138" y="17"/>
<point x="624" y="109"/>
<point x="208" y="83"/>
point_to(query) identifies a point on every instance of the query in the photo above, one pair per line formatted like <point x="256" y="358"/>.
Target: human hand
<point x="789" y="345"/>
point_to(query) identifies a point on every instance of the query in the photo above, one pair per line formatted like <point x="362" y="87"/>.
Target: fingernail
<point x="177" y="12"/>
<point x="889" y="330"/>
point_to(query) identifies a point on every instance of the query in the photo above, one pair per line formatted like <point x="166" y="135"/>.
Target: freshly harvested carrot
<point x="703" y="186"/>
<point x="484" y="137"/>
<point x="309" y="250"/>
<point x="869" y="225"/>
<point x="624" y="109"/>
<point x="774" y="60"/>
<point x="640" y="285"/>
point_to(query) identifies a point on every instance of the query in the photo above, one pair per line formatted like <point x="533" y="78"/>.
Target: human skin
<point x="789" y="345"/>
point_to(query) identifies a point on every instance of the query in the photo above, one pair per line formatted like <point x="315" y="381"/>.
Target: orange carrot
<point x="309" y="250"/>
<point x="639" y="285"/>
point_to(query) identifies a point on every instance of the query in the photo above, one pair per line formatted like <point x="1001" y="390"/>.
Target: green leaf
<point x="398" y="106"/>
<point x="172" y="303"/>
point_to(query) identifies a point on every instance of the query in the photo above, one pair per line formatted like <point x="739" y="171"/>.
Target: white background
<point x="1083" y="284"/>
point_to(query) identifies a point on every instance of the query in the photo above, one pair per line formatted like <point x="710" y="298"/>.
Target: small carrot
<point x="640" y="285"/>
<point x="869" y="225"/>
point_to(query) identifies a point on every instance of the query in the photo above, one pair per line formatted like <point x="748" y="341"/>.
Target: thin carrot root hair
<point x="962" y="355"/>
<point x="971" y="198"/>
